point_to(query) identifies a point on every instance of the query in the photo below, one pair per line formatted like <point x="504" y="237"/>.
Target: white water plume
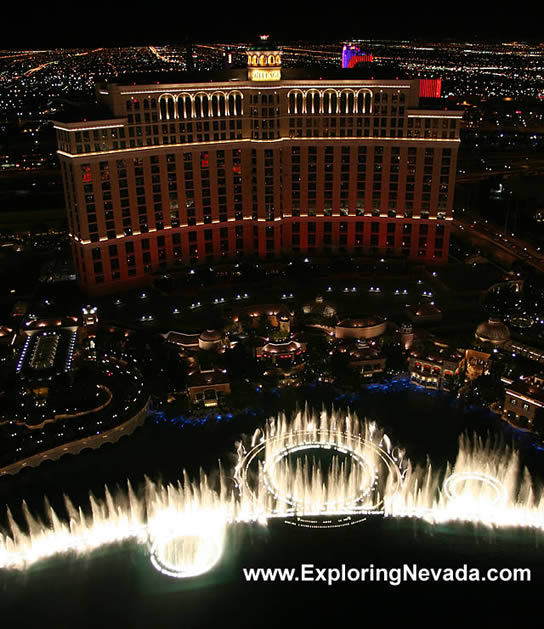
<point x="486" y="484"/>
<point x="318" y="464"/>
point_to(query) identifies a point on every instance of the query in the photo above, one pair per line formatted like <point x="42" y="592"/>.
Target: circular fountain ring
<point x="184" y="556"/>
<point x="270" y="480"/>
<point x="451" y="485"/>
<point x="345" y="443"/>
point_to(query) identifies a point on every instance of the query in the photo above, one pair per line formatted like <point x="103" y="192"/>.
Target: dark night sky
<point x="114" y="23"/>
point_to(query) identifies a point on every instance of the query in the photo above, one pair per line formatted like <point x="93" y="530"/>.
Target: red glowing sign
<point x="359" y="59"/>
<point x="430" y="88"/>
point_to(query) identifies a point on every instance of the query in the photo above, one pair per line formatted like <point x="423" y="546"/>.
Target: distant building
<point x="320" y="308"/>
<point x="48" y="348"/>
<point x="367" y="360"/>
<point x="435" y="367"/>
<point x="527" y="351"/>
<point x="90" y="319"/>
<point x="524" y="401"/>
<point x="263" y="161"/>
<point x="352" y="55"/>
<point x="210" y="340"/>
<point x="476" y="363"/>
<point x="290" y="352"/>
<point x="364" y="327"/>
<point x="7" y="340"/>
<point x="183" y="340"/>
<point x="19" y="309"/>
<point x="493" y="331"/>
<point x="206" y="340"/>
<point x="423" y="313"/>
<point x="406" y="335"/>
<point x="207" y="386"/>
<point x="277" y="315"/>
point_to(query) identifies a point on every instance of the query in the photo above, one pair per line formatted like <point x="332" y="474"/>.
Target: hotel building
<point x="259" y="162"/>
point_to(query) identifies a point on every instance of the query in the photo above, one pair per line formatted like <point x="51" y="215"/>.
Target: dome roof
<point x="211" y="336"/>
<point x="281" y="348"/>
<point x="493" y="331"/>
<point x="365" y="321"/>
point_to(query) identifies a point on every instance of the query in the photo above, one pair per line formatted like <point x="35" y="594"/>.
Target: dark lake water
<point x="117" y="586"/>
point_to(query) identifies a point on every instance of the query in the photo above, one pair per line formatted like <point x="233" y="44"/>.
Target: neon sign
<point x="264" y="75"/>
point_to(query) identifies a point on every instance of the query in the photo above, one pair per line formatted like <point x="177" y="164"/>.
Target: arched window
<point x="239" y="108"/>
<point x="188" y="107"/>
<point x="232" y="105"/>
<point x="222" y="105"/>
<point x="360" y="103"/>
<point x="184" y="106"/>
<point x="312" y="102"/>
<point x="215" y="105"/>
<point x="308" y="98"/>
<point x="296" y="101"/>
<point x="171" y="108"/>
<point x="299" y="103"/>
<point x="334" y="102"/>
<point x="343" y="103"/>
<point x="351" y="103"/>
<point x="291" y="107"/>
<point x="167" y="107"/>
<point x="162" y="102"/>
<point x="329" y="101"/>
<point x="129" y="105"/>
<point x="197" y="106"/>
<point x="146" y="104"/>
<point x="181" y="108"/>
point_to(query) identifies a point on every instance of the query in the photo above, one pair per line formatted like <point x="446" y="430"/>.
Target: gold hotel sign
<point x="262" y="74"/>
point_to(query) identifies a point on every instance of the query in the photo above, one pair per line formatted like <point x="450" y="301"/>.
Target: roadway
<point x="509" y="243"/>
<point x="500" y="165"/>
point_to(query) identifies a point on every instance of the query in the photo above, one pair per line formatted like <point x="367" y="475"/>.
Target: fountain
<point x="485" y="484"/>
<point x="317" y="469"/>
<point x="354" y="486"/>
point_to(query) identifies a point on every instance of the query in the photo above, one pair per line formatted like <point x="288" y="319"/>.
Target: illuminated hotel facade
<point x="258" y="162"/>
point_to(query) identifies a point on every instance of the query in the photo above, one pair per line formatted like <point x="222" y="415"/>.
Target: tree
<point x="485" y="390"/>
<point x="340" y="368"/>
<point x="538" y="422"/>
<point x="239" y="363"/>
<point x="245" y="321"/>
<point x="277" y="335"/>
<point x="316" y="359"/>
<point x="394" y="356"/>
